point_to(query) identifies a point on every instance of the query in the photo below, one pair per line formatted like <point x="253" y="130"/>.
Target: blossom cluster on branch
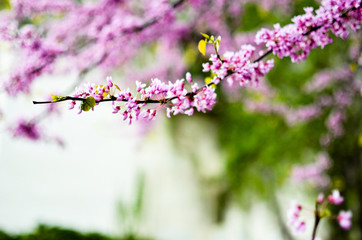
<point x="295" y="40"/>
<point x="311" y="30"/>
<point x="297" y="222"/>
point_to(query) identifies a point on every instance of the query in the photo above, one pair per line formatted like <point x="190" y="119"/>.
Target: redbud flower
<point x="188" y="77"/>
<point x="27" y="130"/>
<point x="320" y="198"/>
<point x="344" y="219"/>
<point x="335" y="198"/>
<point x="140" y="85"/>
<point x="206" y="67"/>
<point x="301" y="227"/>
<point x="293" y="213"/>
<point x="109" y="80"/>
<point x="116" y="109"/>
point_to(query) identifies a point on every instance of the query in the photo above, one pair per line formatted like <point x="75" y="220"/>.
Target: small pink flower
<point x="116" y="109"/>
<point x="140" y="85"/>
<point x="344" y="219"/>
<point x="320" y="198"/>
<point x="109" y="81"/>
<point x="188" y="77"/>
<point x="301" y="226"/>
<point x="335" y="198"/>
<point x="206" y="67"/>
<point x="293" y="213"/>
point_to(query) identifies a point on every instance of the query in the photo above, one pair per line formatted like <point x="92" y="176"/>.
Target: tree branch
<point x="189" y="94"/>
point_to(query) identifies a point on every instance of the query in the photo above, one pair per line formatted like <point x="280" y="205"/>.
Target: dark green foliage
<point x="44" y="232"/>
<point x="54" y="233"/>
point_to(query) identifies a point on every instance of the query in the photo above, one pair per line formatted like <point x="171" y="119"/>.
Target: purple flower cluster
<point x="309" y="31"/>
<point x="27" y="8"/>
<point x="87" y="35"/>
<point x="313" y="173"/>
<point x="234" y="66"/>
<point x="27" y="130"/>
<point x="173" y="95"/>
<point x="39" y="58"/>
<point x="238" y="67"/>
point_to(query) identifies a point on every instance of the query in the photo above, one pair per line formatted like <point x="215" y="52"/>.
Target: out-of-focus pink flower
<point x="313" y="173"/>
<point x="320" y="198"/>
<point x="293" y="212"/>
<point x="27" y="130"/>
<point x="293" y="217"/>
<point x="296" y="41"/>
<point x="188" y="77"/>
<point x="335" y="198"/>
<point x="344" y="219"/>
<point x="300" y="227"/>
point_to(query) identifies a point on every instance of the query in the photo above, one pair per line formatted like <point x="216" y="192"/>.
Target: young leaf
<point x="202" y="47"/>
<point x="88" y="103"/>
<point x="209" y="80"/>
<point x="212" y="39"/>
<point x="56" y="98"/>
<point x="117" y="87"/>
<point x="217" y="43"/>
<point x="205" y="35"/>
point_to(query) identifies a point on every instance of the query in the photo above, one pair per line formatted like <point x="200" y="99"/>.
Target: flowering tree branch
<point x="321" y="211"/>
<point x="295" y="40"/>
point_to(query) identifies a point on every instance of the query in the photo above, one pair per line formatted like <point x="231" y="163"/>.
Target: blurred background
<point x="228" y="174"/>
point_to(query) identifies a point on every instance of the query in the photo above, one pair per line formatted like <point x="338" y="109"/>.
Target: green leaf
<point x="202" y="47"/>
<point x="4" y="4"/>
<point x="117" y="87"/>
<point x="57" y="98"/>
<point x="209" y="80"/>
<point x="54" y="96"/>
<point x="325" y="213"/>
<point x="212" y="39"/>
<point x="217" y="43"/>
<point x="205" y="35"/>
<point x="88" y="104"/>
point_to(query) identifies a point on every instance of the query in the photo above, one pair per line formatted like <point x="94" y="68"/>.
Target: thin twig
<point x="316" y="220"/>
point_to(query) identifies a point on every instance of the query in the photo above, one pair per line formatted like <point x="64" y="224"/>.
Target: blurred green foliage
<point x="44" y="232"/>
<point x="4" y="4"/>
<point x="53" y="233"/>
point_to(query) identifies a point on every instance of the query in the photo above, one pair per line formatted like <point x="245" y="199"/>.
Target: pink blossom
<point x="335" y="198"/>
<point x="344" y="219"/>
<point x="320" y="198"/>
<point x="26" y="129"/>
<point x="296" y="40"/>
<point x="293" y="213"/>
<point x="334" y="122"/>
<point x="188" y="77"/>
<point x="294" y="218"/>
<point x="301" y="226"/>
<point x="313" y="173"/>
